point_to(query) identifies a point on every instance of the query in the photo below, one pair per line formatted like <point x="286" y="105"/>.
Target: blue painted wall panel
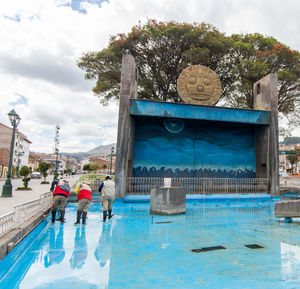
<point x="183" y="148"/>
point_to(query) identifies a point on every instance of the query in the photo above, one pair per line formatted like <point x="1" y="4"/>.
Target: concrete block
<point x="10" y="247"/>
<point x="290" y="208"/>
<point x="167" y="201"/>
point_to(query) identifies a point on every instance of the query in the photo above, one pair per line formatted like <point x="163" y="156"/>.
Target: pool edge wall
<point x="16" y="235"/>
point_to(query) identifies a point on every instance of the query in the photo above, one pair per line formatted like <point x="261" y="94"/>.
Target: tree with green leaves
<point x="68" y="171"/>
<point x="87" y="167"/>
<point x="43" y="169"/>
<point x="24" y="172"/>
<point x="293" y="159"/>
<point x="163" y="49"/>
<point x="254" y="56"/>
<point x="160" y="50"/>
<point x="94" y="167"/>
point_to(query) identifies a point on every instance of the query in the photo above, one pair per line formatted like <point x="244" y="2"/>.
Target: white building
<point x="21" y="149"/>
<point x="84" y="162"/>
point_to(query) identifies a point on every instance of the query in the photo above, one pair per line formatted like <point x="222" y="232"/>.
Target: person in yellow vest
<point x="107" y="191"/>
<point x="84" y="200"/>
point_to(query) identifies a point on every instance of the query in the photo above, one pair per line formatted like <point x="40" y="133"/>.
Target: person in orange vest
<point x="61" y="193"/>
<point x="84" y="200"/>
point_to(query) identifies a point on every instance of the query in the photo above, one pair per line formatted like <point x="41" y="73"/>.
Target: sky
<point x="42" y="39"/>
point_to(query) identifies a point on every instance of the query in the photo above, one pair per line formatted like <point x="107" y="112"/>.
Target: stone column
<point x="128" y="90"/>
<point x="265" y="97"/>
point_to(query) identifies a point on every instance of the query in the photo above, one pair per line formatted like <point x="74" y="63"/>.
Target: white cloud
<point x="42" y="40"/>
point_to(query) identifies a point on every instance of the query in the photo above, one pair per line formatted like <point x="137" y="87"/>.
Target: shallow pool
<point x="138" y="250"/>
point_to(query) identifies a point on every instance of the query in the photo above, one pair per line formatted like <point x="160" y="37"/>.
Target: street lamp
<point x="56" y="150"/>
<point x="14" y="120"/>
<point x="111" y="154"/>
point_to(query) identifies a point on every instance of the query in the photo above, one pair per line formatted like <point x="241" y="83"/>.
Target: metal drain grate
<point x="253" y="246"/>
<point x="163" y="222"/>
<point x="205" y="249"/>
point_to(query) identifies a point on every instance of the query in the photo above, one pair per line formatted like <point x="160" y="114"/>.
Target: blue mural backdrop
<point x="186" y="149"/>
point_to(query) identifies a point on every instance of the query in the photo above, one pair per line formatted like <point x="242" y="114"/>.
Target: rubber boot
<point x="104" y="216"/>
<point x="110" y="215"/>
<point x="53" y="216"/>
<point x="84" y="218"/>
<point x="78" y="218"/>
<point x="62" y="216"/>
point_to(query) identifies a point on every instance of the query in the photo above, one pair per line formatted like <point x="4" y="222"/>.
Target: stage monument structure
<point x="195" y="144"/>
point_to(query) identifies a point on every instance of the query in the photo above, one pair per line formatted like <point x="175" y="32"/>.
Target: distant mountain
<point x="102" y="150"/>
<point x="291" y="140"/>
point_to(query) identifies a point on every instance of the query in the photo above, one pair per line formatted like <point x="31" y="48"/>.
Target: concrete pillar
<point x="128" y="90"/>
<point x="265" y="97"/>
<point x="261" y="147"/>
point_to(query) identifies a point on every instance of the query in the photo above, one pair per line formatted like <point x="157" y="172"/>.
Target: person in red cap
<point x="84" y="200"/>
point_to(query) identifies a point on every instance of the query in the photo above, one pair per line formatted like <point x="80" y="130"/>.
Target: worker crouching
<point x="84" y="200"/>
<point x="107" y="191"/>
<point x="61" y="193"/>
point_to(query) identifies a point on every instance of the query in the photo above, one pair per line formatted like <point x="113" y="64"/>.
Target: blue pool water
<point x="137" y="250"/>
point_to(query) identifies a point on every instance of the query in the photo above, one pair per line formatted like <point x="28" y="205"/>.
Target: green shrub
<point x="24" y="172"/>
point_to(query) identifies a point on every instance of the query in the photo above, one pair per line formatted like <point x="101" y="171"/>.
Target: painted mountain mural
<point x="187" y="149"/>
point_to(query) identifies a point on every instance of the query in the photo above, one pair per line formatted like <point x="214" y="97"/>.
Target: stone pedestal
<point x="287" y="209"/>
<point x="167" y="201"/>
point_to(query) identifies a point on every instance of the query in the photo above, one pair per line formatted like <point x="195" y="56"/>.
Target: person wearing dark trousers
<point x="84" y="200"/>
<point x="107" y="191"/>
<point x="61" y="193"/>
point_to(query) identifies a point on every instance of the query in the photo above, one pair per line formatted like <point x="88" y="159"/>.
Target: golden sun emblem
<point x="198" y="84"/>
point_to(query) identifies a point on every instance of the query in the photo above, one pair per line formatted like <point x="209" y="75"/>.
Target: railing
<point x="24" y="212"/>
<point x="94" y="179"/>
<point x="7" y="222"/>
<point x="143" y="186"/>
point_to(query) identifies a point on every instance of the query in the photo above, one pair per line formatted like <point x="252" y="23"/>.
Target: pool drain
<point x="167" y="222"/>
<point x="205" y="249"/>
<point x="253" y="246"/>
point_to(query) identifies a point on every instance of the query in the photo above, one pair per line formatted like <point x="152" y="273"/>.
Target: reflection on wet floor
<point x="80" y="251"/>
<point x="137" y="250"/>
<point x="56" y="252"/>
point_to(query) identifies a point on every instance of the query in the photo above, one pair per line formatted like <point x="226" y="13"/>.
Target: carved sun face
<point x="199" y="84"/>
<point x="199" y="87"/>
